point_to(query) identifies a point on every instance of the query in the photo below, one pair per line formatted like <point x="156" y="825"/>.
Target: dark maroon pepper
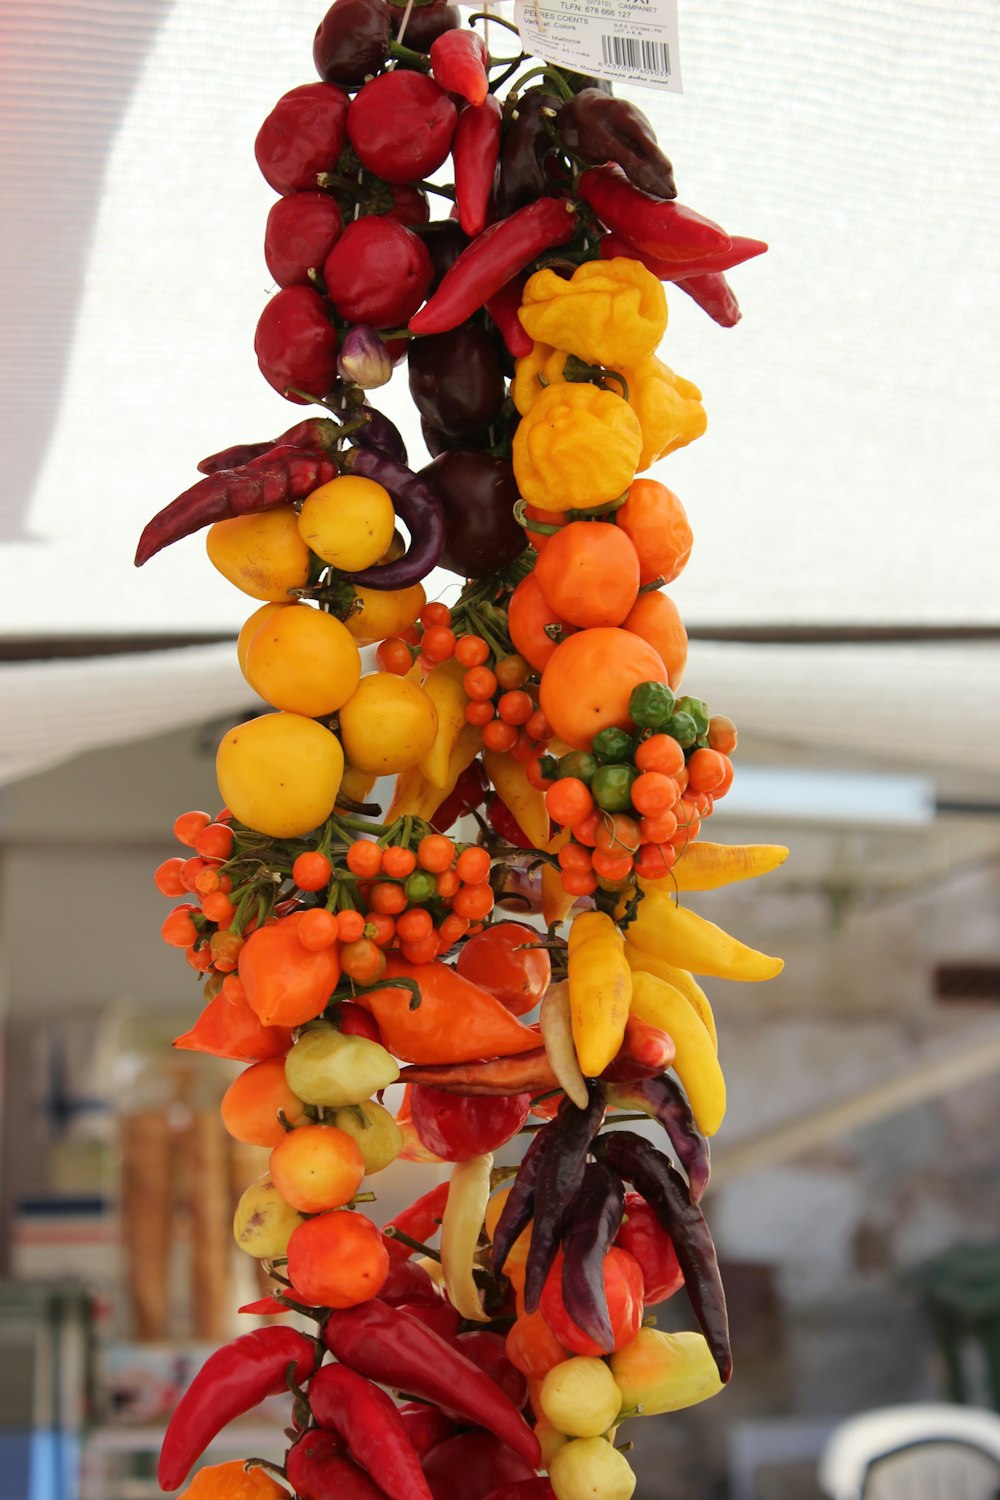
<point x="663" y="1099"/>
<point x="317" y="1466"/>
<point x="592" y="1221"/>
<point x="597" y="128"/>
<point x="478" y="492"/>
<point x="426" y="22"/>
<point x="527" y="146"/>
<point x="352" y="40"/>
<point x="455" y="379"/>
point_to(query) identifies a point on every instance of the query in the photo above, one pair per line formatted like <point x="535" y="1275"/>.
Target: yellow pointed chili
<point x="600" y="990"/>
<point x="416" y="796"/>
<point x="705" y="867"/>
<point x="681" y="979"/>
<point x="695" y="1062"/>
<point x="525" y="801"/>
<point x="443" y="685"/>
<point x="682" y="938"/>
<point x="465" y="1210"/>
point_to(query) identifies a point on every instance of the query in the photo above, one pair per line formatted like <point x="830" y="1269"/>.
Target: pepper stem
<point x="390" y="1232"/>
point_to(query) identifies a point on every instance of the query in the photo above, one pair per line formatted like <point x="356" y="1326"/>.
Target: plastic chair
<point x="928" y="1452"/>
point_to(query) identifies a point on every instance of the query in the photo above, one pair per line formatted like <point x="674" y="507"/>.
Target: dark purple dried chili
<point x="592" y="1221"/>
<point x="560" y="1178"/>
<point x="651" y="1173"/>
<point x="664" y="1100"/>
<point x="417" y="506"/>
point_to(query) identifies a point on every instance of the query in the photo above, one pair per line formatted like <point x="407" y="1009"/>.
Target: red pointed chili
<point x="388" y="1345"/>
<point x="715" y="296"/>
<point x="317" y="1467"/>
<point x="367" y="1421"/>
<point x="279" y="476"/>
<point x="665" y="229"/>
<point x="474" y="152"/>
<point x="231" y="1382"/>
<point x="495" y="256"/>
<point x="503" y="310"/>
<point x="420" y="1221"/>
<point x="318" y="435"/>
<point x="741" y="249"/>
<point x="651" y="1173"/>
<point x="458" y="63"/>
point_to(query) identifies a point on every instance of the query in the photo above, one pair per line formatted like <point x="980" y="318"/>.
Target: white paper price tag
<point x="626" y="41"/>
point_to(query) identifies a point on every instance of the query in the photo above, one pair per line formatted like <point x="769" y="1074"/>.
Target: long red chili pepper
<point x="317" y="1467"/>
<point x="503" y="310"/>
<point x="474" y="150"/>
<point x="492" y="259"/>
<point x="232" y="1381"/>
<point x="715" y="296"/>
<point x="317" y="434"/>
<point x="276" y="478"/>
<point x="666" y="229"/>
<point x="388" y="1345"/>
<point x="458" y="63"/>
<point x="366" y="1419"/>
<point x="420" y="1221"/>
<point x="740" y="250"/>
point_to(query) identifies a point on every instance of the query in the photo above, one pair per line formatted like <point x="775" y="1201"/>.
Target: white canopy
<point x="848" y="474"/>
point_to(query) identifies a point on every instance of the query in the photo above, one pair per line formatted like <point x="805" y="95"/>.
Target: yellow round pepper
<point x="577" y="448"/>
<point x="668" y="406"/>
<point x="609" y="312"/>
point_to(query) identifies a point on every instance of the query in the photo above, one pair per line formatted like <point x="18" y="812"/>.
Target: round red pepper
<point x="643" y="1237"/>
<point x="296" y="344"/>
<point x="489" y="1352"/>
<point x="623" y="1286"/>
<point x="378" y="272"/>
<point x="302" y="136"/>
<point x="401" y="126"/>
<point x="408" y="204"/>
<point x="301" y="231"/>
<point x="457" y="1127"/>
<point x="499" y="960"/>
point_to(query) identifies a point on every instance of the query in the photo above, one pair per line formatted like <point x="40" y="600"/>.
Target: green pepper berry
<point x="612" y="787"/>
<point x="420" y="886"/>
<point x="612" y="745"/>
<point x="697" y="710"/>
<point x="650" y="705"/>
<point x="548" y="767"/>
<point x="578" y="763"/>
<point x="683" y="729"/>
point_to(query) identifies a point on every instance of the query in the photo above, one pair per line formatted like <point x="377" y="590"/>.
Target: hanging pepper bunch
<point x="487" y="1343"/>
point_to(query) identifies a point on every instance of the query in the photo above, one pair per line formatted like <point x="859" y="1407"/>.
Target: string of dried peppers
<point x="336" y="942"/>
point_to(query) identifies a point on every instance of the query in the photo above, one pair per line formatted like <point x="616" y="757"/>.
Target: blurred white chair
<point x="927" y="1452"/>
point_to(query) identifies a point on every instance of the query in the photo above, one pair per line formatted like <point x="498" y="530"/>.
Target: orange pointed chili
<point x="455" y="1021"/>
<point x="227" y="1027"/>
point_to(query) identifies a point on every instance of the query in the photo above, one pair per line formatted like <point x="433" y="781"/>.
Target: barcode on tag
<point x="636" y="54"/>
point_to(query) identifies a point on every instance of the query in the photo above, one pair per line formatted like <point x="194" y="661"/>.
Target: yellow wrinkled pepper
<point x="668" y="407"/>
<point x="600" y="990"/>
<point x="577" y="449"/>
<point x="609" y="312"/>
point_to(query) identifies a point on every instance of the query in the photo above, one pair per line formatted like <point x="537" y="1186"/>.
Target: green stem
<point x="410" y="55"/>
<point x="494" y="20"/>
<point x="392" y="1233"/>
<point x="434" y="187"/>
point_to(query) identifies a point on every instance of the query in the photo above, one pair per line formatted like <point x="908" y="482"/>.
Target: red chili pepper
<point x="526" y="1489"/>
<point x="740" y="250"/>
<point x="366" y="1419"/>
<point x="264" y="1307"/>
<point x="427" y="1426"/>
<point x="282" y="475"/>
<point x="232" y="1381"/>
<point x="458" y="63"/>
<point x="492" y="259"/>
<point x="317" y="1467"/>
<point x="390" y="1346"/>
<point x="713" y="293"/>
<point x="420" y="1221"/>
<point x="317" y="434"/>
<point x="503" y="310"/>
<point x="660" y="227"/>
<point x="475" y="151"/>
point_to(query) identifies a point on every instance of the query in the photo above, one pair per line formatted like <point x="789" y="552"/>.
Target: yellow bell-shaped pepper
<point x="600" y="990"/>
<point x="609" y="312"/>
<point x="668" y="407"/>
<point x="577" y="448"/>
<point x="661" y="1372"/>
